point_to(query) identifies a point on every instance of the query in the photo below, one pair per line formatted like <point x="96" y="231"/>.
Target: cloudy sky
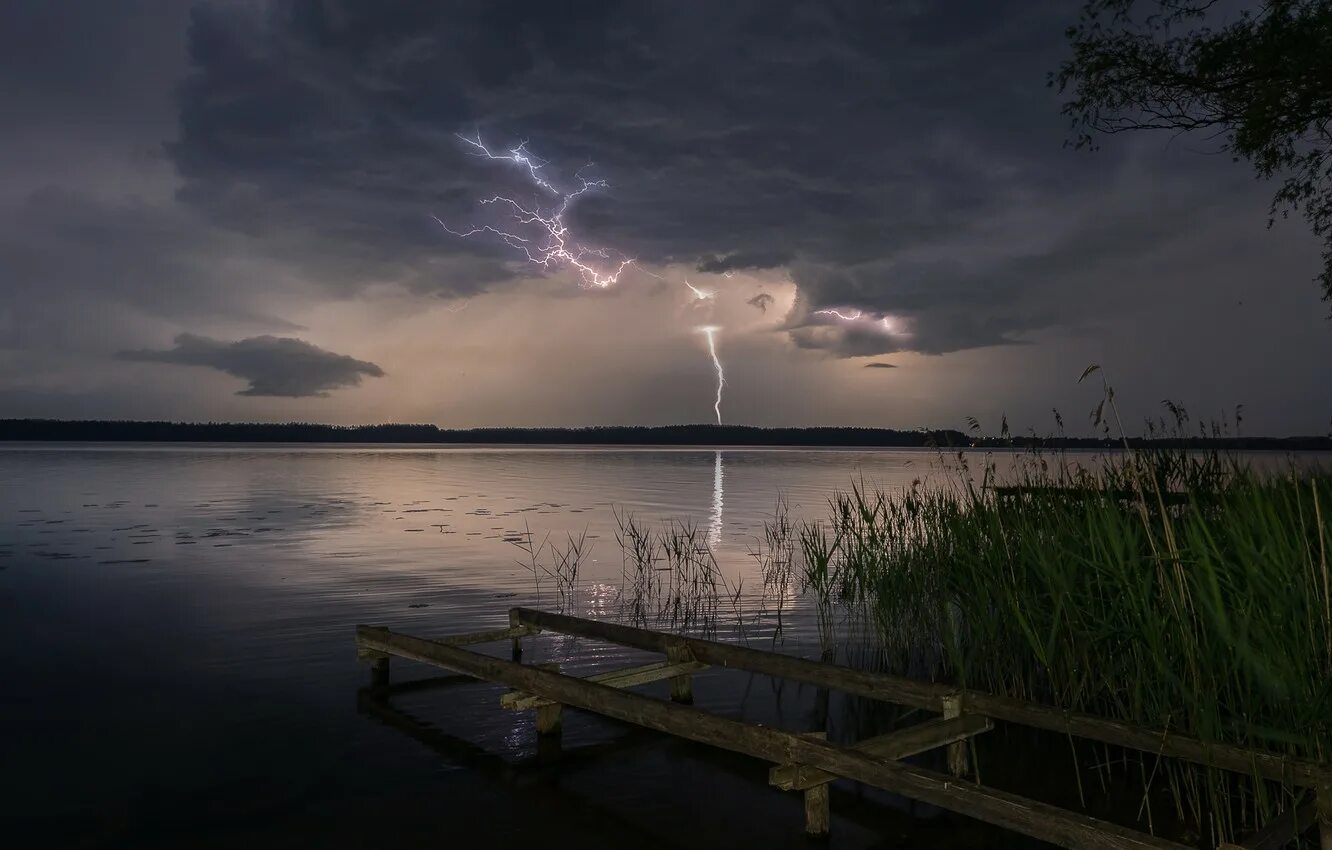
<point x="232" y="211"/>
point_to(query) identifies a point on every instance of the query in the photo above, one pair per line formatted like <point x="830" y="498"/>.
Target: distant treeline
<point x="665" y="435"/>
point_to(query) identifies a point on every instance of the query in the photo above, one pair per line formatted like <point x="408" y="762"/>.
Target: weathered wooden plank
<point x="900" y="744"/>
<point x="626" y="678"/>
<point x="904" y="691"/>
<point x="1280" y="830"/>
<point x="930" y="696"/>
<point x="379" y="669"/>
<point x="1039" y="820"/>
<point x="488" y="635"/>
<point x="468" y="639"/>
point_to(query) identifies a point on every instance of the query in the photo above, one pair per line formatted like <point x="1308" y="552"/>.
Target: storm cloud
<point x="274" y="366"/>
<point x="802" y="157"/>
<point x="743" y="260"/>
<point x="762" y="302"/>
<point x="276" y="167"/>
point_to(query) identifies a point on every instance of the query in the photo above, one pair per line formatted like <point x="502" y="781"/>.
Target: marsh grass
<point x="564" y="562"/>
<point x="1176" y="590"/>
<point x="670" y="577"/>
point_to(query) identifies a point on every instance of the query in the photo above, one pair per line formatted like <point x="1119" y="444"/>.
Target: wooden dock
<point x="807" y="763"/>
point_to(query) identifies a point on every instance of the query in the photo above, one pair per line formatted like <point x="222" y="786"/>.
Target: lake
<point x="177" y="632"/>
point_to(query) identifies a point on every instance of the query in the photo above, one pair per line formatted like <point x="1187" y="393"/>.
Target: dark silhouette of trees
<point x="302" y="432"/>
<point x="1260" y="82"/>
<point x="610" y="435"/>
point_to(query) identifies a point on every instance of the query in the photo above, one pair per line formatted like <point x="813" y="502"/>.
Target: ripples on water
<point x="177" y="640"/>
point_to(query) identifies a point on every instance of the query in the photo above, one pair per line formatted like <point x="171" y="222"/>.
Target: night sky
<point x="227" y="211"/>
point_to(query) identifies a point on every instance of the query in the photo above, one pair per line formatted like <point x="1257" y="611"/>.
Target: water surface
<point x="177" y="632"/>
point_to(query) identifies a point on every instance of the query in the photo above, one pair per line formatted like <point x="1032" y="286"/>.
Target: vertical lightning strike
<point x="711" y="332"/>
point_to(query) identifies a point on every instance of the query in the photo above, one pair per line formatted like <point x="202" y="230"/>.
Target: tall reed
<point x="1175" y="590"/>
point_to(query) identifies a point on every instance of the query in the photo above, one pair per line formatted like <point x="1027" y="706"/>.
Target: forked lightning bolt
<point x="842" y="316"/>
<point x="885" y="323"/>
<point x="548" y="243"/>
<point x="544" y="239"/>
<point x="700" y="294"/>
<point x="518" y="155"/>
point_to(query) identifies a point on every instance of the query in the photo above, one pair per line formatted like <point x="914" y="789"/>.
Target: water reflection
<point x="715" y="527"/>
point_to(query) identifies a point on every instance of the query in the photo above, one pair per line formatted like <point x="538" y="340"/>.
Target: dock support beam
<point x="958" y="763"/>
<point x="549" y="723"/>
<point x="549" y="717"/>
<point x="818" y="811"/>
<point x="818" y="805"/>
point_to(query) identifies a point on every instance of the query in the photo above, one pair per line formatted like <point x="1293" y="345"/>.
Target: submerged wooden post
<point x="549" y="717"/>
<point x="515" y="623"/>
<point x="549" y="724"/>
<point x="818" y="811"/>
<point x="682" y="687"/>
<point x="379" y="672"/>
<point x="379" y="667"/>
<point x="957" y="752"/>
<point x="818" y="806"/>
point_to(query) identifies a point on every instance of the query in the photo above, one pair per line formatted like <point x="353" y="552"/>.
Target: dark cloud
<point x="68" y="258"/>
<point x="845" y="133"/>
<point x="274" y="366"/>
<point x="743" y="260"/>
<point x="880" y="365"/>
<point x="762" y="301"/>
<point x="902" y="158"/>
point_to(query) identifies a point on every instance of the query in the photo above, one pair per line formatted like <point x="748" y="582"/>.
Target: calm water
<point x="176" y="627"/>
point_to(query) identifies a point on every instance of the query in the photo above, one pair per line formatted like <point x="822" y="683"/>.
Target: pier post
<point x="818" y="806"/>
<point x="682" y="687"/>
<point x="818" y="811"/>
<point x="379" y="672"/>
<point x="549" y="717"/>
<point x="514" y="622"/>
<point x="958" y="763"/>
<point x="549" y="724"/>
<point x="379" y="667"/>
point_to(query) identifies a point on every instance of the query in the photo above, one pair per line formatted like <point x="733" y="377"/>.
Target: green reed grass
<point x="1170" y="589"/>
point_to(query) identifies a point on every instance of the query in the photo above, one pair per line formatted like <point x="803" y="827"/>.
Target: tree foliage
<point x="1259" y="81"/>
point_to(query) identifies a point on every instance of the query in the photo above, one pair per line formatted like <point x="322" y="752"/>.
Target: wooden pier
<point x="808" y="763"/>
